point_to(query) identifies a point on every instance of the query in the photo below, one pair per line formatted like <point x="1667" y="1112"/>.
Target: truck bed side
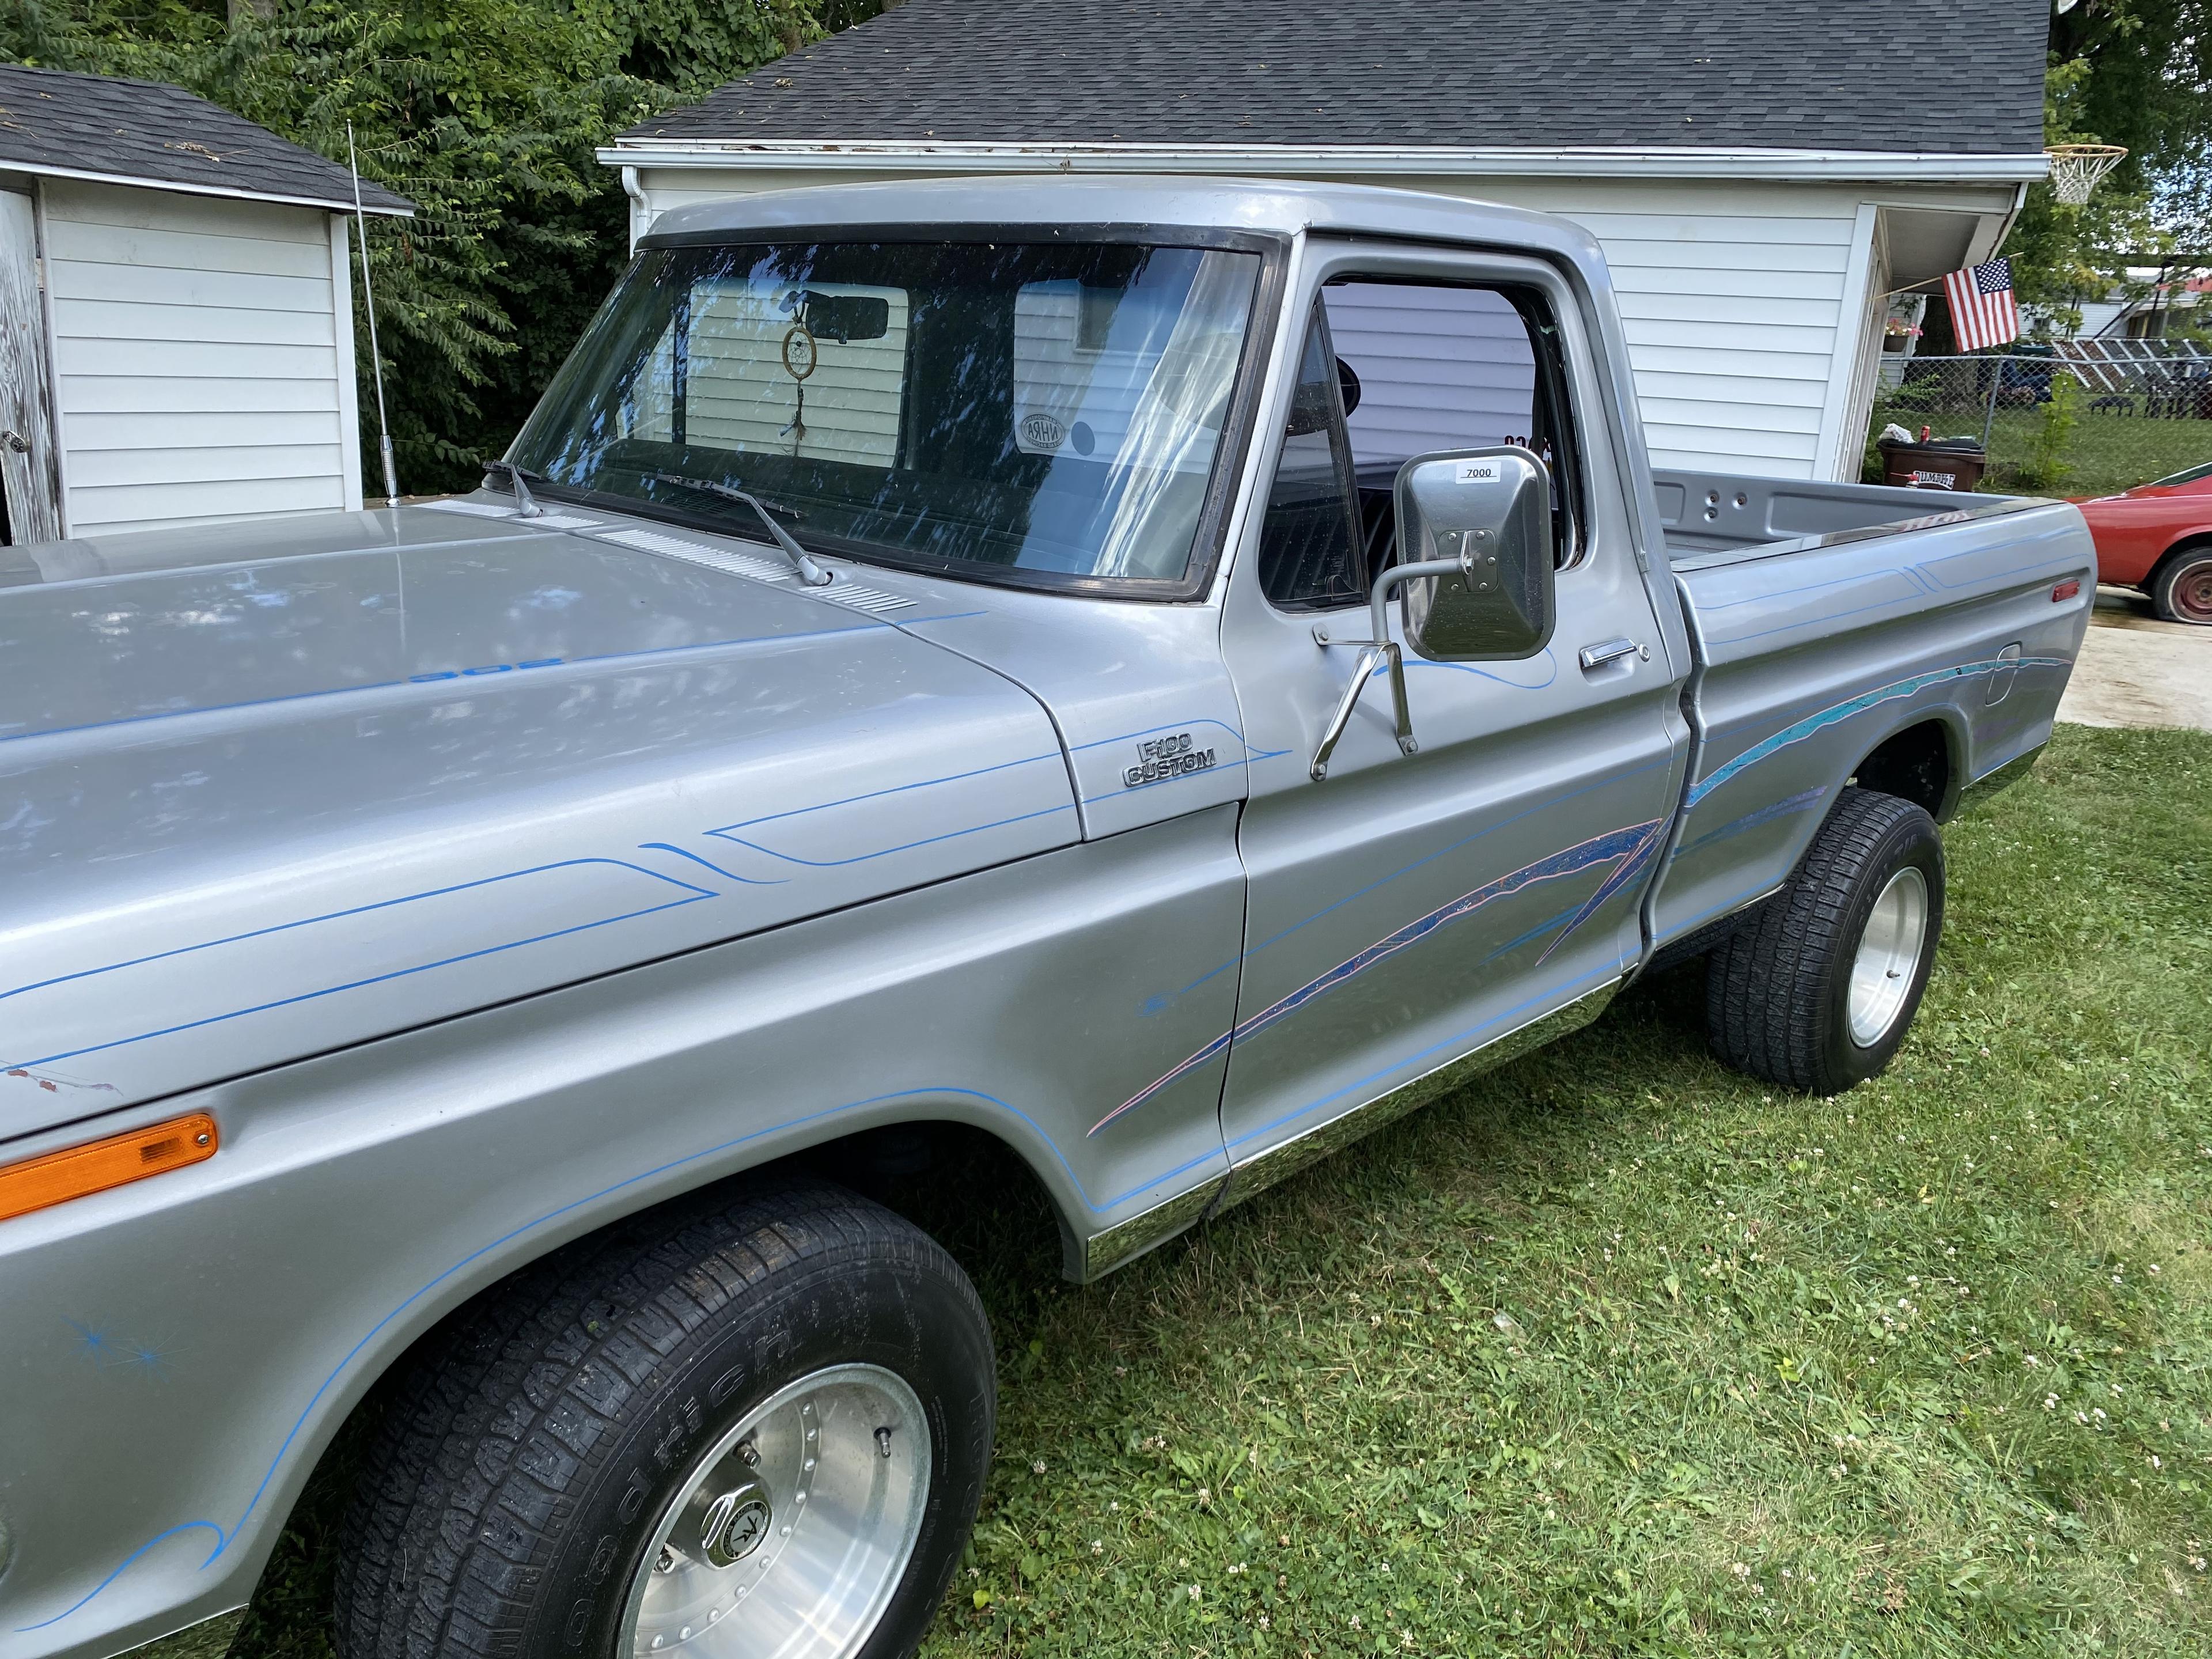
<point x="1943" y="642"/>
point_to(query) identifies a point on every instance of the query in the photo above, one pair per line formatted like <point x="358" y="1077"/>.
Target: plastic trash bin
<point x="1933" y="465"/>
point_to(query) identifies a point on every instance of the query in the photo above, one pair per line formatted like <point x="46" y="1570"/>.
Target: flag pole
<point x="375" y="357"/>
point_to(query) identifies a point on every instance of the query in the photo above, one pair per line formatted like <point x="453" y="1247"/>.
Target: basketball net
<point x="2075" y="169"/>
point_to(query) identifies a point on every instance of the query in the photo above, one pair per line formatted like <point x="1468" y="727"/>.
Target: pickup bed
<point x="1167" y="676"/>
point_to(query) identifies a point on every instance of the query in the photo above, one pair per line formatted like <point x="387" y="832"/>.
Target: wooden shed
<point x="176" y="312"/>
<point x="1761" y="173"/>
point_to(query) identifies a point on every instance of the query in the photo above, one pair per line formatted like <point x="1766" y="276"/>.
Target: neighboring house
<point x="2151" y="302"/>
<point x="176" y="312"/>
<point x="1762" y="173"/>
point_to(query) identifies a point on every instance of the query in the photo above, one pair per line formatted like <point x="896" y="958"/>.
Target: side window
<point x="1308" y="558"/>
<point x="1444" y="366"/>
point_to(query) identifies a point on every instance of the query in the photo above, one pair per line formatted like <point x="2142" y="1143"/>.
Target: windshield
<point x="2189" y="477"/>
<point x="960" y="406"/>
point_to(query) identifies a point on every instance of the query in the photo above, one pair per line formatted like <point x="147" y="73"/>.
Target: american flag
<point x="1982" y="311"/>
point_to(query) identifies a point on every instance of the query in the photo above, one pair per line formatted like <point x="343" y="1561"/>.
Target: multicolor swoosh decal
<point x="1813" y="724"/>
<point x="1631" y="847"/>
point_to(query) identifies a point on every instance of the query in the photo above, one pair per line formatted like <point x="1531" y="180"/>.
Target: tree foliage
<point x="2131" y="72"/>
<point x="486" y="114"/>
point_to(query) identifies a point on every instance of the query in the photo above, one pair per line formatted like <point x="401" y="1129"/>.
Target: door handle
<point x="1596" y="656"/>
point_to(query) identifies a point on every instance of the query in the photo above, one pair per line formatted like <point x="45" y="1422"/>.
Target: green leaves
<point x="486" y="114"/>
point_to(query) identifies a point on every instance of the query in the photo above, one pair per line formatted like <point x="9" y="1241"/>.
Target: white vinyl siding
<point x="739" y="394"/>
<point x="199" y="357"/>
<point x="1731" y="299"/>
<point x="1439" y="367"/>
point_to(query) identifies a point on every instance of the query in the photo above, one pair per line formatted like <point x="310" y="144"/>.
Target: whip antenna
<point x="375" y="357"/>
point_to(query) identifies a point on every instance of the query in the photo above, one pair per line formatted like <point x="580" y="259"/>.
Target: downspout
<point x="640" y="211"/>
<point x="2005" y="224"/>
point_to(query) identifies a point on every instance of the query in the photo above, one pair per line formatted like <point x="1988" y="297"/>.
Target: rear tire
<point x="568" y="1425"/>
<point x="2181" y="586"/>
<point x="1816" y="991"/>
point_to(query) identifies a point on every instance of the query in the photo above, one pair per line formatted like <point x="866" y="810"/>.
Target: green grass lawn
<point x="2104" y="453"/>
<point x="1614" y="1352"/>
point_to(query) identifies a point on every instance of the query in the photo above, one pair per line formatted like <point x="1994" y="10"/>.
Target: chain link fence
<point x="2090" y="418"/>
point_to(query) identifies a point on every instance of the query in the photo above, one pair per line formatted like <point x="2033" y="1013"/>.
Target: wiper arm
<point x="525" y="504"/>
<point x="809" y="572"/>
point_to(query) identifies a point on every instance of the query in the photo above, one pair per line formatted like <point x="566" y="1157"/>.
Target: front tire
<point x="782" y="1404"/>
<point x="2181" y="588"/>
<point x="1816" y="990"/>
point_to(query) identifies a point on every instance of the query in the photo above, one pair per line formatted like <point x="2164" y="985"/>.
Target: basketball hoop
<point x="2075" y="169"/>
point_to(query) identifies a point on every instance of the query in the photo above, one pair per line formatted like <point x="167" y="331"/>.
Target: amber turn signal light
<point x="39" y="1183"/>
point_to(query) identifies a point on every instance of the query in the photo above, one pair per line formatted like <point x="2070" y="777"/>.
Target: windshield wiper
<point x="525" y="504"/>
<point x="809" y="572"/>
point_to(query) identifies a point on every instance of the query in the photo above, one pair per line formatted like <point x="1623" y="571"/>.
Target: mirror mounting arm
<point x="1382" y="652"/>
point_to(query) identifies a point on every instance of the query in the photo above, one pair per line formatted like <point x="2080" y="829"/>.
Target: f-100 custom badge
<point x="1161" y="758"/>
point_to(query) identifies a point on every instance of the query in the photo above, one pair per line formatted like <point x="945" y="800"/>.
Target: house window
<point x="1094" y="316"/>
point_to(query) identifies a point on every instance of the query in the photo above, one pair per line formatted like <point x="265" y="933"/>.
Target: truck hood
<point x="274" y="788"/>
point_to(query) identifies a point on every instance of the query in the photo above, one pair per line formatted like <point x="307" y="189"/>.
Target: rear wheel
<point x="2181" y="588"/>
<point x="723" y="1430"/>
<point x="1816" y="991"/>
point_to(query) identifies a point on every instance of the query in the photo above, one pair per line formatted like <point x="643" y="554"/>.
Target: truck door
<point x="1413" y="911"/>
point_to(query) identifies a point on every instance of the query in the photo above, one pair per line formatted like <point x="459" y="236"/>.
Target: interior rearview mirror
<point x="845" y="317"/>
<point x="1489" y="511"/>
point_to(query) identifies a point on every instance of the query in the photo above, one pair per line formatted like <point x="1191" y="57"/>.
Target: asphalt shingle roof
<point x="1959" y="76"/>
<point x="147" y="129"/>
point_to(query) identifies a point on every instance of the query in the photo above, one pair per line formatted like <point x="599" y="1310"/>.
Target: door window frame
<point x="1567" y="345"/>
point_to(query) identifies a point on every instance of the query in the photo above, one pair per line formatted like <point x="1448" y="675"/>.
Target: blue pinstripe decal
<point x="1632" y="846"/>
<point x="694" y="894"/>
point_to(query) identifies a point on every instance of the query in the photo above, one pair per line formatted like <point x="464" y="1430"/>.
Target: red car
<point x="2158" y="537"/>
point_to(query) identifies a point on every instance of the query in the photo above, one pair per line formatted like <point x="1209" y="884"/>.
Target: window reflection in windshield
<point x="1029" y="407"/>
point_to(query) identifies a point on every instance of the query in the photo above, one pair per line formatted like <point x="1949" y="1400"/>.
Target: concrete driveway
<point x="2136" y="670"/>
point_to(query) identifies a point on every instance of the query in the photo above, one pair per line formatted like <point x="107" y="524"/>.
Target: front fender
<point x="178" y="1352"/>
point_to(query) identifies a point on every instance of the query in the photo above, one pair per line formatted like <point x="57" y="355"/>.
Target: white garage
<point x="1762" y="173"/>
<point x="176" y="312"/>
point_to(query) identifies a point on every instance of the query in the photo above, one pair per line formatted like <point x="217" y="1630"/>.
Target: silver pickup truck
<point x="1166" y="676"/>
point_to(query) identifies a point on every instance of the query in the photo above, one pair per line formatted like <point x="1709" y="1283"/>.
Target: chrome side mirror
<point x="1474" y="559"/>
<point x="1488" y="511"/>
